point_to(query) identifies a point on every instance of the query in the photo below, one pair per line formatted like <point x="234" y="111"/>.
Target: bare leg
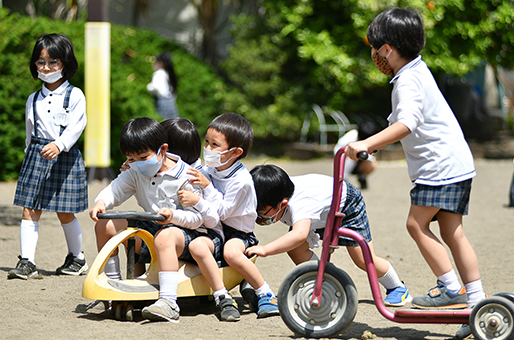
<point x="169" y="245"/>
<point x="201" y="249"/>
<point x="300" y="254"/>
<point x="235" y="257"/>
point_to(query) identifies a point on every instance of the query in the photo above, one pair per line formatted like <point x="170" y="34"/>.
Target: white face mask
<point x="213" y="158"/>
<point x="50" y="78"/>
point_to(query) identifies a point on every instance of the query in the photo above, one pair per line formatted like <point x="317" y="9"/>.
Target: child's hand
<point x="188" y="198"/>
<point x="256" y="250"/>
<point x="98" y="208"/>
<point x="198" y="178"/>
<point x="166" y="212"/>
<point x="50" y="151"/>
<point x="352" y="149"/>
<point x="125" y="166"/>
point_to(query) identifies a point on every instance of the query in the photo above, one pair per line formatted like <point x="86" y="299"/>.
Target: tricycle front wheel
<point x="493" y="318"/>
<point x="336" y="310"/>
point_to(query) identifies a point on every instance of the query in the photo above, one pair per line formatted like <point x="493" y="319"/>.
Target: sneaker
<point x="72" y="266"/>
<point x="441" y="297"/>
<point x="464" y="332"/>
<point x="24" y="269"/>
<point x="397" y="297"/>
<point x="248" y="293"/>
<point x="267" y="305"/>
<point x="228" y="309"/>
<point x="162" y="310"/>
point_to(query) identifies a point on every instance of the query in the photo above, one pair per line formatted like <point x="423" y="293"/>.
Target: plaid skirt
<point x="166" y="107"/>
<point x="356" y="217"/>
<point x="452" y="198"/>
<point x="189" y="235"/>
<point x="58" y="185"/>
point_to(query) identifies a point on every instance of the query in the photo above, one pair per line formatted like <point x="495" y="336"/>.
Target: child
<point x="184" y="140"/>
<point x="53" y="174"/>
<point x="164" y="86"/>
<point x="303" y="203"/>
<point x="154" y="180"/>
<point x="228" y="139"/>
<point x="439" y="160"/>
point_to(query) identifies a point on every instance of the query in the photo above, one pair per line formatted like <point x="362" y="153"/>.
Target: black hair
<point x="400" y="28"/>
<point x="237" y="131"/>
<point x="140" y="135"/>
<point x="167" y="64"/>
<point x="183" y="138"/>
<point x="58" y="47"/>
<point x="272" y="185"/>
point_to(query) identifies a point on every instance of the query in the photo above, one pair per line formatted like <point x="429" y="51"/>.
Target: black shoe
<point x="228" y="309"/>
<point x="72" y="266"/>
<point x="248" y="294"/>
<point x="363" y="182"/>
<point x="24" y="269"/>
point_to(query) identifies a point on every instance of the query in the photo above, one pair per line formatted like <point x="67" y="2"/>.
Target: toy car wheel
<point x="129" y="313"/>
<point x="118" y="311"/>
<point x="337" y="307"/>
<point x="493" y="318"/>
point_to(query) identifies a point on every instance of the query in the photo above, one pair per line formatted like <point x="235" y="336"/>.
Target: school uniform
<point x="58" y="185"/>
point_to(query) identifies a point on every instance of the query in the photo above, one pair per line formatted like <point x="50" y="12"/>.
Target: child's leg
<point x="301" y="254"/>
<point x="234" y="255"/>
<point x="433" y="251"/>
<point x="202" y="248"/>
<point x="465" y="258"/>
<point x="169" y="244"/>
<point x="29" y="233"/>
<point x="72" y="232"/>
<point x="105" y="229"/>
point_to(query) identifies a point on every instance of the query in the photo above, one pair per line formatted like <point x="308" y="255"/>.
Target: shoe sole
<point x="82" y="271"/>
<point x="267" y="314"/>
<point x="401" y="304"/>
<point x="456" y="306"/>
<point x="157" y="317"/>
<point x="231" y="319"/>
<point x="23" y="277"/>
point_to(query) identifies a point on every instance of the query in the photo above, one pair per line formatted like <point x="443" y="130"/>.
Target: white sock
<point x="391" y="279"/>
<point x="112" y="268"/>
<point x="264" y="289"/>
<point x="219" y="293"/>
<point x="168" y="282"/>
<point x="475" y="292"/>
<point x="73" y="234"/>
<point x="29" y="235"/>
<point x="451" y="281"/>
<point x="314" y="257"/>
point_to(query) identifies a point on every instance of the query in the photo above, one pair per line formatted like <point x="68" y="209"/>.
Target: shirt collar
<point x="60" y="90"/>
<point x="178" y="169"/>
<point x="227" y="173"/>
<point x="411" y="64"/>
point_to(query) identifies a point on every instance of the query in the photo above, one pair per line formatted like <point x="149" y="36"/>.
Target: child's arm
<point x="189" y="198"/>
<point x="289" y="241"/>
<point x="389" y="135"/>
<point x="50" y="151"/>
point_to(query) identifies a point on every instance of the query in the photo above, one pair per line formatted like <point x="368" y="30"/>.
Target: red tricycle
<point x="317" y="299"/>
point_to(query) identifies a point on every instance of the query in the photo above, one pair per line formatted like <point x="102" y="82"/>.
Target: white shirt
<point x="436" y="151"/>
<point x="347" y="138"/>
<point x="48" y="105"/>
<point x="160" y="85"/>
<point x="158" y="192"/>
<point x="233" y="192"/>
<point x="311" y="200"/>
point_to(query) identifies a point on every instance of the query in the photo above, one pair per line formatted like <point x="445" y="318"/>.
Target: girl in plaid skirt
<point x="53" y="174"/>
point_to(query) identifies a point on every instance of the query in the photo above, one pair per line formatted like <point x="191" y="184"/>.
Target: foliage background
<point x="132" y="53"/>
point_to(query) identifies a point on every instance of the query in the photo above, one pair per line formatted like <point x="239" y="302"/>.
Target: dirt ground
<point x="53" y="308"/>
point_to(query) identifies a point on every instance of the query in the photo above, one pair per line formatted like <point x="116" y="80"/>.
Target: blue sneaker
<point x="397" y="297"/>
<point x="267" y="305"/>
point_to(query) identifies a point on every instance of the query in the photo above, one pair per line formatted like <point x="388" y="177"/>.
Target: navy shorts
<point x="189" y="235"/>
<point x="452" y="198"/>
<point x="356" y="217"/>
<point x="249" y="239"/>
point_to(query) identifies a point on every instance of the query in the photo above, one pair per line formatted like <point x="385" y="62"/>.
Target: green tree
<point x="301" y="52"/>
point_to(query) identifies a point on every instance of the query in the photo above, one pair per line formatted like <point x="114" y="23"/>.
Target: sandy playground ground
<point x="53" y="308"/>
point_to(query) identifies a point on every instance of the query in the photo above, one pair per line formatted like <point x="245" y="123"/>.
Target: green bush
<point x="199" y="88"/>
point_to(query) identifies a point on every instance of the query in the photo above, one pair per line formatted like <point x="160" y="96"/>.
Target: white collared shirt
<point x="48" y="104"/>
<point x="233" y="192"/>
<point x="436" y="150"/>
<point x="158" y="192"/>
